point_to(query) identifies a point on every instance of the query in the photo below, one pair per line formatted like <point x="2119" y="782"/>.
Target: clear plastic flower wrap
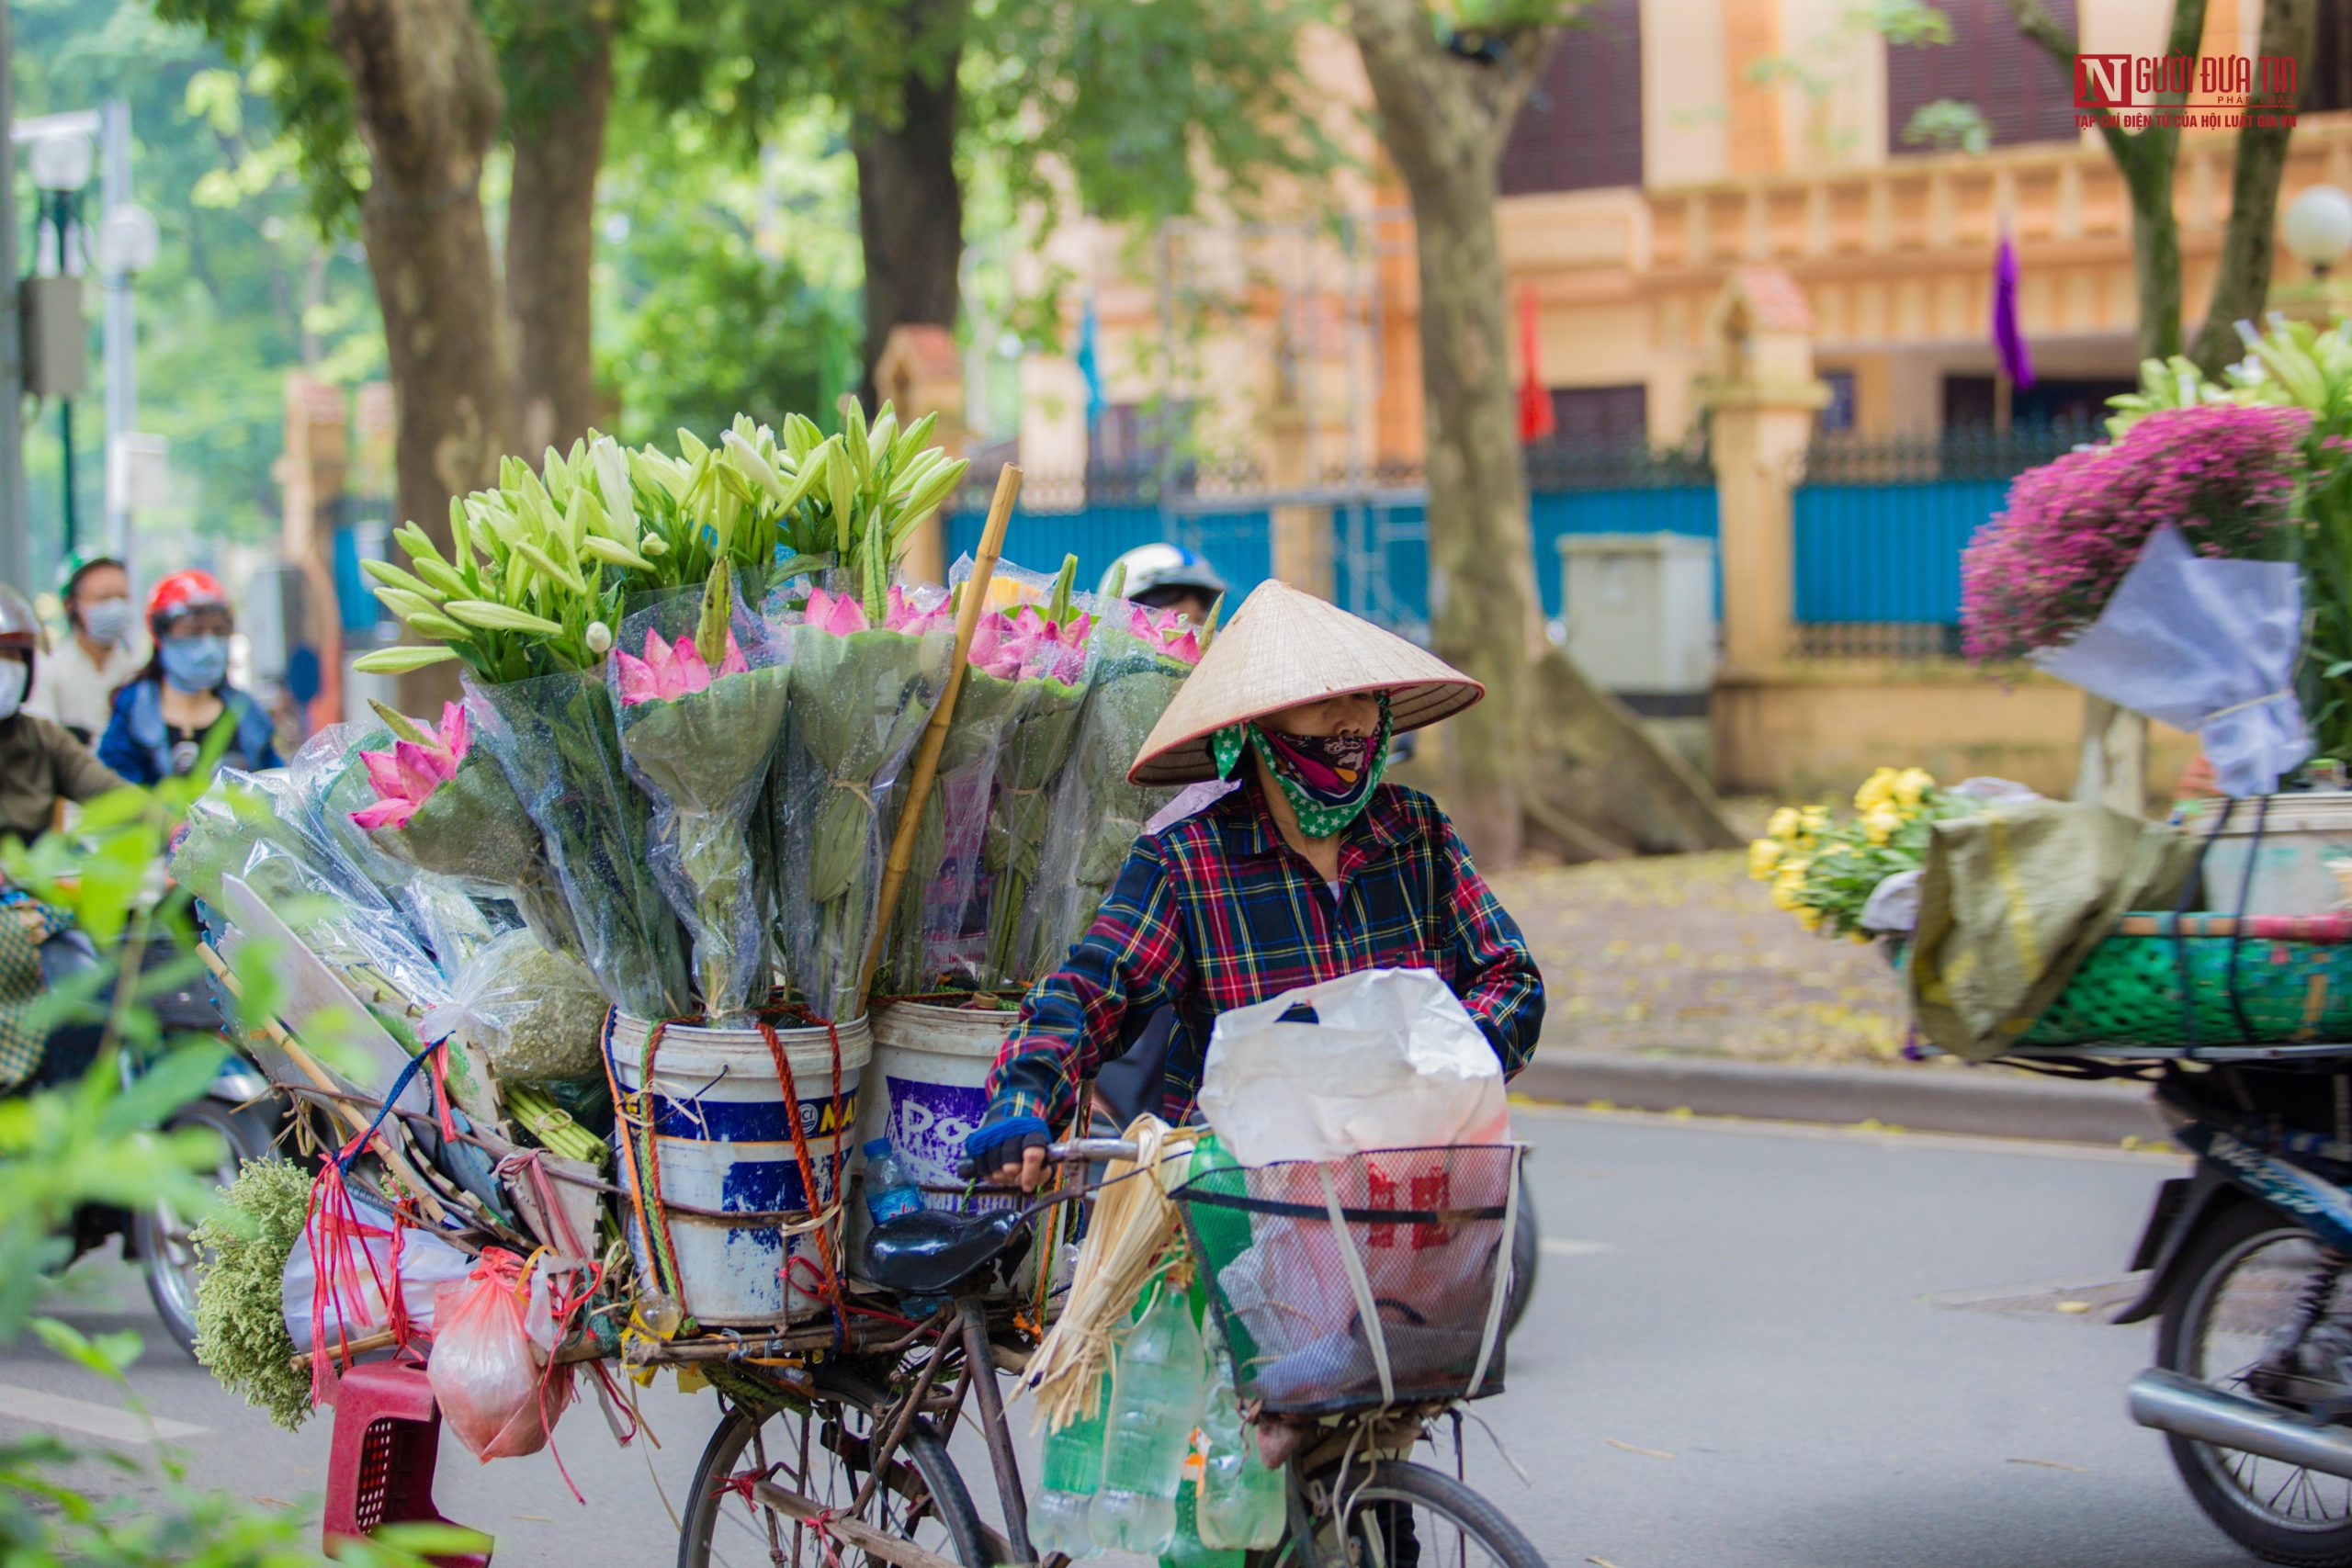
<point x="248" y="825"/>
<point x="929" y="942"/>
<point x="535" y="1014"/>
<point x="701" y="688"/>
<point x="558" y="740"/>
<point x="1140" y="657"/>
<point x="861" y="697"/>
<point x="329" y="774"/>
<point x="1044" y="644"/>
<point x="444" y="806"/>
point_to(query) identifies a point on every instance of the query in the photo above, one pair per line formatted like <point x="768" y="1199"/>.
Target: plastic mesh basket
<point x="1424" y="1233"/>
<point x="2130" y="988"/>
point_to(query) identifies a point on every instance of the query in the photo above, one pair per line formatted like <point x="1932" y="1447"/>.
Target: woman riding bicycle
<point x="1311" y="869"/>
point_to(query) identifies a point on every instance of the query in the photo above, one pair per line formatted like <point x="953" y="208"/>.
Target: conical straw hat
<point x="1282" y="649"/>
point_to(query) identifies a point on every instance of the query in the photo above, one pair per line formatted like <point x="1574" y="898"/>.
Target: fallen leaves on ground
<point x="1631" y="1448"/>
<point x="1684" y="954"/>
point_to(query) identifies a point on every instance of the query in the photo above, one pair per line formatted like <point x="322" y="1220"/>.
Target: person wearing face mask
<point x="80" y="676"/>
<point x="40" y="762"/>
<point x="1311" y="868"/>
<point x="162" y="719"/>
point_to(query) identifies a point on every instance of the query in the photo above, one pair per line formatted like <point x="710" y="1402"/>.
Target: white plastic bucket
<point x="2303" y="865"/>
<point x="926" y="1091"/>
<point x="927" y="1087"/>
<point x="723" y="1143"/>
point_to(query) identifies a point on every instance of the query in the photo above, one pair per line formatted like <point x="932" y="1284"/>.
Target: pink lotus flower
<point x="1166" y="633"/>
<point x="905" y="616"/>
<point x="994" y="650"/>
<point x="406" y="776"/>
<point x="672" y="670"/>
<point x="1044" y="650"/>
<point x="835" y="612"/>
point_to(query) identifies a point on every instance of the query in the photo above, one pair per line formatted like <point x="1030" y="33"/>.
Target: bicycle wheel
<point x="822" y="1452"/>
<point x="1396" y="1514"/>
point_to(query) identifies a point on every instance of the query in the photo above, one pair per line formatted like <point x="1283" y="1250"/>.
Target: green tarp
<point x="2013" y="900"/>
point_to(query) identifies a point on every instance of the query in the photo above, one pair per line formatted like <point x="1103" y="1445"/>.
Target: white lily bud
<point x="600" y="638"/>
<point x="651" y="548"/>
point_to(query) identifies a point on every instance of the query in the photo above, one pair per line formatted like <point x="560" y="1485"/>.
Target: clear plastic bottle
<point x="1072" y="1469"/>
<point x="889" y="1191"/>
<point x="1186" y="1550"/>
<point x="1242" y="1505"/>
<point x="1158" y="1378"/>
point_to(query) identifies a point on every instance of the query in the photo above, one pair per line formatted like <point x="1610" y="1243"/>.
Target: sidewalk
<point x="1674" y="984"/>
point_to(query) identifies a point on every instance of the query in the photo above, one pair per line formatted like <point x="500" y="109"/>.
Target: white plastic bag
<point x="425" y="1260"/>
<point x="1394" y="1061"/>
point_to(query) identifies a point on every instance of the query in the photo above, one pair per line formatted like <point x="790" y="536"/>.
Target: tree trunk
<point x="2144" y="159"/>
<point x="428" y="101"/>
<point x="909" y="202"/>
<point x="550" y="235"/>
<point x="2288" y="28"/>
<point x="1546" y="750"/>
<point x="1442" y="119"/>
<point x="2155" y="252"/>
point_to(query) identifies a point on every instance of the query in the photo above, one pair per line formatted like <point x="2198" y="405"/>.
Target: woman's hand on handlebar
<point x="1026" y="1172"/>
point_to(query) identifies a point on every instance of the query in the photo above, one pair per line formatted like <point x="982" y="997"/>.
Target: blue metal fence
<point x="1880" y="526"/>
<point x="1887" y="552"/>
<point x="1382" y="562"/>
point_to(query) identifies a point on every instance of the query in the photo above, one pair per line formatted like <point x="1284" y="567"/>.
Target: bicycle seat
<point x="936" y="1252"/>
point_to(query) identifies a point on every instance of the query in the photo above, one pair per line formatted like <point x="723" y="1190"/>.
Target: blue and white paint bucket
<point x="926" y="1091"/>
<point x="723" y="1138"/>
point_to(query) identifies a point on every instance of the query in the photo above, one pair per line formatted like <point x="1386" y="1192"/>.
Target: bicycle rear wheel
<point x="1396" y="1514"/>
<point x="822" y="1452"/>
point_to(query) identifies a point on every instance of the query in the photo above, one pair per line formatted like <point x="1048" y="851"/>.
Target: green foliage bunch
<point x="240" y="1335"/>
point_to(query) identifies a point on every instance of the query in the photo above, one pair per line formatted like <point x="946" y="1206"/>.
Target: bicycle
<point x="865" y="1471"/>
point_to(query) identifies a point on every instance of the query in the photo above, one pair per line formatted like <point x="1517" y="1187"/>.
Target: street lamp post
<point x="61" y="164"/>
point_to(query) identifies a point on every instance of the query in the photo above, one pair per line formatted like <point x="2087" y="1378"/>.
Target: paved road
<point x="1751" y="1346"/>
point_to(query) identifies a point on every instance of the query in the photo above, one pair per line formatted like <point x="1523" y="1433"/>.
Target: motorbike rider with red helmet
<point x="162" y="718"/>
<point x="40" y="761"/>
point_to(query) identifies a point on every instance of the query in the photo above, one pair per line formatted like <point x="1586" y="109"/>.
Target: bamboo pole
<point x="934" y="734"/>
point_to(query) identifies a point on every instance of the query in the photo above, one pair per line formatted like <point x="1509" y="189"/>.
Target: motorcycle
<point x="2248" y="1261"/>
<point x="239" y="1106"/>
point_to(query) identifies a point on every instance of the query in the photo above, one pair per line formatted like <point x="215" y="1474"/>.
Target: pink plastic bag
<point x="486" y="1374"/>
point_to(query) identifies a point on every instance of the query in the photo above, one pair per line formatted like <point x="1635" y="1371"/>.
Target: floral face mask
<point x="1327" y="779"/>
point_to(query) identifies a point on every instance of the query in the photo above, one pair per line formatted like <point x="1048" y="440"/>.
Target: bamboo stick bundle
<point x="1133" y="1227"/>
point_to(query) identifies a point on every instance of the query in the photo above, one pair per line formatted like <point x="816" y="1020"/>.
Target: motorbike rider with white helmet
<point x="1162" y="576"/>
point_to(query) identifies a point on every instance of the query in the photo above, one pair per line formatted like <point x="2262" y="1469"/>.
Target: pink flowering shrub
<point x="2045" y="565"/>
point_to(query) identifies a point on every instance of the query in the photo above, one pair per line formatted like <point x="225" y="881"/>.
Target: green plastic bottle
<point x="1186" y="1550"/>
<point x="1223" y="1235"/>
<point x="1073" y="1473"/>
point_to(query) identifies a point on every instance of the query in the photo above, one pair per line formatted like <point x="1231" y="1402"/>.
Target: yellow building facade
<point x="1760" y="131"/>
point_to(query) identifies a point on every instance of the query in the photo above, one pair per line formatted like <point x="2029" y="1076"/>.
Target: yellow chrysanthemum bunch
<point x="1823" y="872"/>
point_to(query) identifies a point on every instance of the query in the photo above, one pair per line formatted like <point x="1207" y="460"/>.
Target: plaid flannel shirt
<point x="1218" y="912"/>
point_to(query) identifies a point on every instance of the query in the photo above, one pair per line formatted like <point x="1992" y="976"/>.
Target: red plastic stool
<point x="387" y="1439"/>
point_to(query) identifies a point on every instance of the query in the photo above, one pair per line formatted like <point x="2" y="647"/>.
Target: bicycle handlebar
<point x="1059" y="1154"/>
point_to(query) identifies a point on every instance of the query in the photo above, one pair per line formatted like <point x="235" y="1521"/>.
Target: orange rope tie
<point x="830" y="1292"/>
